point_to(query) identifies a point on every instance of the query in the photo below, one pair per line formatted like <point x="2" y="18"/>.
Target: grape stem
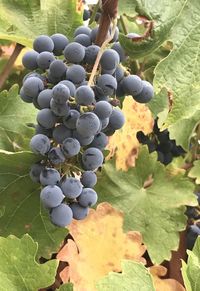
<point x="9" y="65"/>
<point x="104" y="45"/>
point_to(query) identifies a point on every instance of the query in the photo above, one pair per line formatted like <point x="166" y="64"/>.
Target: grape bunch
<point x="160" y="142"/>
<point x="75" y="118"/>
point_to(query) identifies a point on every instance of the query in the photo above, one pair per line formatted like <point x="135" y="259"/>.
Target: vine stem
<point x="8" y="67"/>
<point x="104" y="45"/>
<point x="121" y="19"/>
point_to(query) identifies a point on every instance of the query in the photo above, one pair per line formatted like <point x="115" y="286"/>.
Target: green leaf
<point x="159" y="103"/>
<point x="24" y="20"/>
<point x="20" y="200"/>
<point x="134" y="277"/>
<point x="127" y="7"/>
<point x="191" y="270"/>
<point x="163" y="21"/>
<point x="157" y="211"/>
<point x="179" y="73"/>
<point x="195" y="172"/>
<point x="14" y="115"/>
<point x="66" y="287"/>
<point x="18" y="267"/>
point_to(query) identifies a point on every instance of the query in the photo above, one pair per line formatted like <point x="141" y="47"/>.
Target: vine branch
<point x="8" y="67"/>
<point x="109" y="12"/>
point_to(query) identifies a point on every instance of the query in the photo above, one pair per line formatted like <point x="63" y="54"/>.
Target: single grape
<point x="100" y="141"/>
<point x="119" y="74"/>
<point x="40" y="144"/>
<point x="78" y="211"/>
<point x="42" y="130"/>
<point x="104" y="123"/>
<point x="33" y="86"/>
<point x="60" y="110"/>
<point x="89" y="179"/>
<point x="71" y="187"/>
<point x="35" y="103"/>
<point x="116" y="34"/>
<point x="84" y="95"/>
<point x="86" y="14"/>
<point x="70" y="120"/>
<point x="93" y="34"/>
<point x="146" y="94"/>
<point x="97" y="16"/>
<point x="52" y="79"/>
<point x="91" y="53"/>
<point x="117" y="119"/>
<point x="46" y="118"/>
<point x="61" y="215"/>
<point x="76" y="74"/>
<point x="82" y="30"/>
<point x="110" y="72"/>
<point x="165" y="147"/>
<point x="49" y="176"/>
<point x="34" y="74"/>
<point x="83" y="39"/>
<point x="60" y="133"/>
<point x="119" y="49"/>
<point x="29" y="60"/>
<point x="44" y="98"/>
<point x="132" y="35"/>
<point x="56" y="156"/>
<point x="43" y="43"/>
<point x="109" y="131"/>
<point x="120" y="90"/>
<point x="44" y="60"/>
<point x="87" y="124"/>
<point x="132" y="85"/>
<point x="74" y="52"/>
<point x="51" y="196"/>
<point x="161" y="157"/>
<point x="35" y="172"/>
<point x="60" y="42"/>
<point x="87" y="198"/>
<point x="57" y="69"/>
<point x="92" y="159"/>
<point x="25" y="97"/>
<point x="163" y="136"/>
<point x="70" y="86"/>
<point x="84" y="141"/>
<point x="109" y="59"/>
<point x="60" y="93"/>
<point x="103" y="109"/>
<point x="70" y="147"/>
<point x="107" y="84"/>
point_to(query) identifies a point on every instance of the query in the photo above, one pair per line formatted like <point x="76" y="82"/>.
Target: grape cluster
<point x="193" y="230"/>
<point x="74" y="119"/>
<point x="160" y="142"/>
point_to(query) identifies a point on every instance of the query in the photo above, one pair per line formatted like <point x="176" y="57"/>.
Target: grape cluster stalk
<point x="74" y="118"/>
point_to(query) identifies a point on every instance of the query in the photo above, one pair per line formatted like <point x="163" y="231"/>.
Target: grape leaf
<point x="163" y="21"/>
<point x="83" y="253"/>
<point x="127" y="7"/>
<point x="18" y="267"/>
<point x="19" y="197"/>
<point x="191" y="269"/>
<point x="134" y="277"/>
<point x="66" y="287"/>
<point x="23" y="21"/>
<point x="156" y="210"/>
<point x="195" y="172"/>
<point x="160" y="283"/>
<point x="124" y="143"/>
<point x="179" y="73"/>
<point x="14" y="115"/>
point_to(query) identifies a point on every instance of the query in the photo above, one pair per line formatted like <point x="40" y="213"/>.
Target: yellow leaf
<point x="164" y="284"/>
<point x="124" y="143"/>
<point x="100" y="245"/>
